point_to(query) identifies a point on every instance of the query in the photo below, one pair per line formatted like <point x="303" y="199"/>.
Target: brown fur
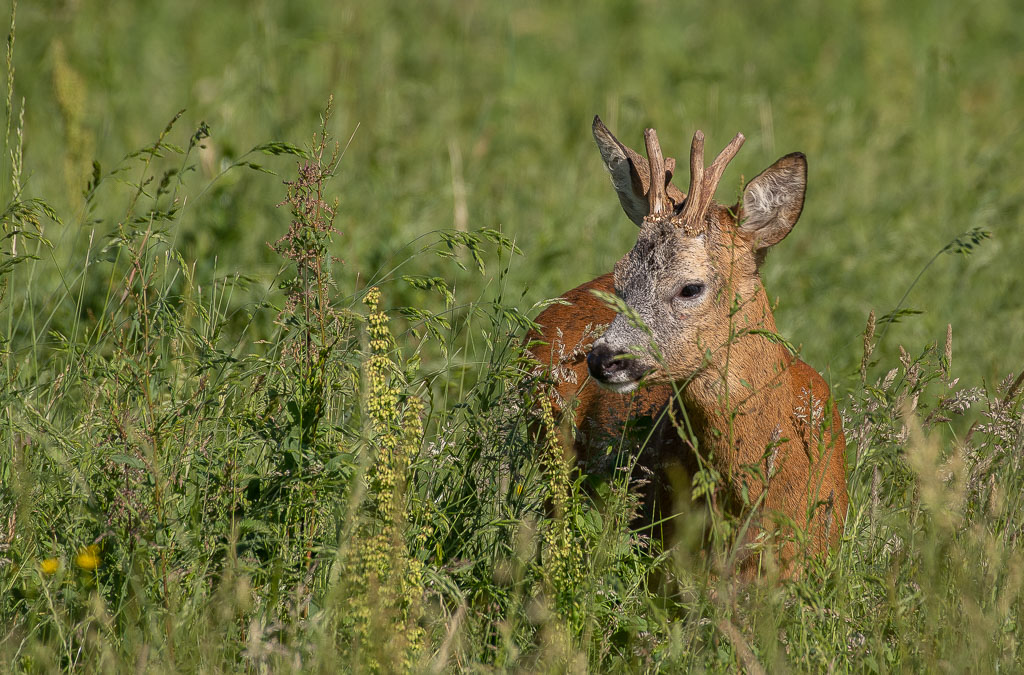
<point x="599" y="415"/>
<point x="751" y="405"/>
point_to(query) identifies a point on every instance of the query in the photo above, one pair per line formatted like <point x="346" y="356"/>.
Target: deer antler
<point x="689" y="214"/>
<point x="657" y="198"/>
<point x="703" y="183"/>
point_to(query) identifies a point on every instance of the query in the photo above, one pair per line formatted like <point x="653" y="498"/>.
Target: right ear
<point x="630" y="173"/>
<point x="773" y="200"/>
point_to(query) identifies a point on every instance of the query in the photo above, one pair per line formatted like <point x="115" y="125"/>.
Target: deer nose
<point x="602" y="364"/>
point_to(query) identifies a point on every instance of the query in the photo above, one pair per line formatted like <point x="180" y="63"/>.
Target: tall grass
<point x="183" y="493"/>
<point x="223" y="449"/>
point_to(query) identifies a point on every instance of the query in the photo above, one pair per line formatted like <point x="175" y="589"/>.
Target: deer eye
<point x="691" y="290"/>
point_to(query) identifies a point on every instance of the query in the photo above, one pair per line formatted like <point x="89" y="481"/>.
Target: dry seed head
<point x="869" y="347"/>
<point x="904" y="359"/>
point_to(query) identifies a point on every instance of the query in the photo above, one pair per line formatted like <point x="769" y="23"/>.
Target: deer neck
<point x="740" y="403"/>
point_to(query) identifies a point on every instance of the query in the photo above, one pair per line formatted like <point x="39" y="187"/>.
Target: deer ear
<point x="630" y="175"/>
<point x="773" y="200"/>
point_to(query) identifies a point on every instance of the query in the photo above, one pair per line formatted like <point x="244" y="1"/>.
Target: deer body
<point x="699" y="323"/>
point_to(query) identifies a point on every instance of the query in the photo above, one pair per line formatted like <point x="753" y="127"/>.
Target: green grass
<point x="272" y="484"/>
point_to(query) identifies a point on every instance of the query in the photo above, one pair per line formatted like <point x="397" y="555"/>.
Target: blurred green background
<point x="475" y="114"/>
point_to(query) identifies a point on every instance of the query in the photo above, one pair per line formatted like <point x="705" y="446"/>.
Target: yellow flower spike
<point x="89" y="557"/>
<point x="49" y="566"/>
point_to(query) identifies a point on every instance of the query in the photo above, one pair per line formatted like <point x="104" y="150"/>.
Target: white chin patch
<point x="620" y="387"/>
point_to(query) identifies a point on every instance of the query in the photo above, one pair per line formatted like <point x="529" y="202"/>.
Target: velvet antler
<point x="704" y="182"/>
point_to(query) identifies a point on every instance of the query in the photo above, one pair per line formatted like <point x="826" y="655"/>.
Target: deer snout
<point x="612" y="368"/>
<point x="602" y="363"/>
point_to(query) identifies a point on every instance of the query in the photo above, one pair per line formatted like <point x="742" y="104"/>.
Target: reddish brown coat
<point x="699" y="328"/>
<point x="808" y="472"/>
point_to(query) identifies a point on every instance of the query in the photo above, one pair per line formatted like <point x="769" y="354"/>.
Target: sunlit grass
<point x="220" y="450"/>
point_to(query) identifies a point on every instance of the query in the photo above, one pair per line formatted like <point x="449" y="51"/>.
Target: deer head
<point x="692" y="277"/>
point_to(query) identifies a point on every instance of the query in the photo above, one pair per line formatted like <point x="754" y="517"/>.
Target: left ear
<point x="773" y="200"/>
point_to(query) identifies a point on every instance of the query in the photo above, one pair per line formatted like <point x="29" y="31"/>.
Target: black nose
<point x="602" y="364"/>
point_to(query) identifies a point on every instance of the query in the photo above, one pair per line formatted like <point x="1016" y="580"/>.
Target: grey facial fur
<point x="682" y="277"/>
<point x="649" y="279"/>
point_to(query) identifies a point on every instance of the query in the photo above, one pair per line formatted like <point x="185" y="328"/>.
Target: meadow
<point x="265" y="274"/>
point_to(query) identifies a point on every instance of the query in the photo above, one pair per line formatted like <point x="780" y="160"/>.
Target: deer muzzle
<point x="618" y="370"/>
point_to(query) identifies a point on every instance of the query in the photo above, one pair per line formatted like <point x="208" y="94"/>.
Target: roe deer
<point x="701" y="325"/>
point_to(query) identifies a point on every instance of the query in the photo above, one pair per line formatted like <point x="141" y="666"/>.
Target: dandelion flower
<point x="49" y="566"/>
<point x="89" y="557"/>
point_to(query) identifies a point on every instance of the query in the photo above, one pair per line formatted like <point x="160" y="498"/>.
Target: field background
<point x="459" y="116"/>
<point x="909" y="116"/>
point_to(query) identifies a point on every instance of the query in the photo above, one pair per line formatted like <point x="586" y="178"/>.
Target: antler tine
<point x="717" y="168"/>
<point x="693" y="194"/>
<point x="656" y="195"/>
<point x="703" y="183"/>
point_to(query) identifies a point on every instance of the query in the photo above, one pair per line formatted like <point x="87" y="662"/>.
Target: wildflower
<point x="49" y="566"/>
<point x="89" y="557"/>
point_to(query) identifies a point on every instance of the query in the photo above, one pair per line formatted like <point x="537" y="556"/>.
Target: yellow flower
<point x="49" y="566"/>
<point x="89" y="557"/>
